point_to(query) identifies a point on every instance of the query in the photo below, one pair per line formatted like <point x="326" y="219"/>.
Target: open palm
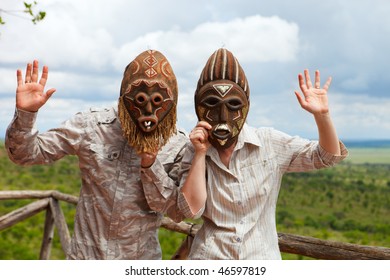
<point x="315" y="98"/>
<point x="30" y="94"/>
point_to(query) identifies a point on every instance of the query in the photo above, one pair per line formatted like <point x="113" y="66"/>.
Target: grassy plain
<point x="348" y="203"/>
<point x="369" y="155"/>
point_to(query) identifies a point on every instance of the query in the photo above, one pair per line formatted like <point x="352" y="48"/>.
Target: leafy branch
<point x="28" y="10"/>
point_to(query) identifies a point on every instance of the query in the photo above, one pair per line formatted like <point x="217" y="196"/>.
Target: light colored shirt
<point x="239" y="214"/>
<point x="113" y="219"/>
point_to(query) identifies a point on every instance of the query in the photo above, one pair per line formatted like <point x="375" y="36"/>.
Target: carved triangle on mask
<point x="222" y="89"/>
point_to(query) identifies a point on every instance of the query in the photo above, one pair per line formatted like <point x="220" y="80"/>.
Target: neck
<point x="226" y="154"/>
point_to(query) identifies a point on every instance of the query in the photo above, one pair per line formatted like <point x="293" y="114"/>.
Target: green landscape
<point x="347" y="203"/>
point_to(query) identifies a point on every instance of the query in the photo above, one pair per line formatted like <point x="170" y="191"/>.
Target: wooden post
<point x="48" y="234"/>
<point x="60" y="223"/>
<point x="184" y="249"/>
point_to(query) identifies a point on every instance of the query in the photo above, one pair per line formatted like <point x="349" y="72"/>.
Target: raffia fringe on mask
<point x="147" y="142"/>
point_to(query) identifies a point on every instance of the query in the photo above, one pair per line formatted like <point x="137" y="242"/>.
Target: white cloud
<point x="87" y="44"/>
<point x="251" y="39"/>
<point x="363" y="116"/>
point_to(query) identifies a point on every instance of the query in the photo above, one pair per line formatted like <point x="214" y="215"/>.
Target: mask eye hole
<point x="234" y="104"/>
<point x="141" y="99"/>
<point x="157" y="99"/>
<point x="211" y="101"/>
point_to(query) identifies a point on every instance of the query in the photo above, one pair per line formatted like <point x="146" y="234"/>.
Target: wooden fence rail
<point x="288" y="243"/>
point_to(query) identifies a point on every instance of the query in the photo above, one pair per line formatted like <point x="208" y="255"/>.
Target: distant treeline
<point x="367" y="143"/>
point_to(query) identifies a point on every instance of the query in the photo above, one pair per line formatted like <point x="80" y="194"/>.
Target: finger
<point x="302" y="84"/>
<point x="50" y="92"/>
<point x="19" y="77"/>
<point x="34" y="76"/>
<point x="45" y="75"/>
<point x="199" y="135"/>
<point x="198" y="132"/>
<point x="308" y="80"/>
<point x="28" y="73"/>
<point x="327" y="84"/>
<point x="301" y="101"/>
<point x="204" y="125"/>
<point x="317" y="83"/>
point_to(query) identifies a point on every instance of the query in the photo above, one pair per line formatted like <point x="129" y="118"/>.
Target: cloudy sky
<point x="88" y="43"/>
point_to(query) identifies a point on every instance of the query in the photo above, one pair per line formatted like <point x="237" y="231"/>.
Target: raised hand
<point x="199" y="137"/>
<point x="30" y="95"/>
<point x="315" y="98"/>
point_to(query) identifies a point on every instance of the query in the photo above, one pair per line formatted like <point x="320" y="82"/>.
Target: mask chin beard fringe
<point x="146" y="142"/>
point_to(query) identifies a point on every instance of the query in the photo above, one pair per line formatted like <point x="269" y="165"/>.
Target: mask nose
<point x="149" y="107"/>
<point x="223" y="114"/>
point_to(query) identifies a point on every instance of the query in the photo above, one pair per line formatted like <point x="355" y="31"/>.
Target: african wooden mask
<point x="147" y="104"/>
<point x="222" y="98"/>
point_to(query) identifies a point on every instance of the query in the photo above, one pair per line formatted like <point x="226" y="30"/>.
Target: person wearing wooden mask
<point x="147" y="102"/>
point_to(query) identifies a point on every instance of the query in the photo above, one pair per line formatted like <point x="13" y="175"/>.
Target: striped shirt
<point x="239" y="215"/>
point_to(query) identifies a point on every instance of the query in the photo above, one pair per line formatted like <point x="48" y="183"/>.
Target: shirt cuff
<point x="185" y="208"/>
<point x="156" y="175"/>
<point x="331" y="159"/>
<point x="25" y="119"/>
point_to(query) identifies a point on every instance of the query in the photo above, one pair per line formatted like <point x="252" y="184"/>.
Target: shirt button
<point x="239" y="202"/>
<point x="238" y="239"/>
<point x="241" y="222"/>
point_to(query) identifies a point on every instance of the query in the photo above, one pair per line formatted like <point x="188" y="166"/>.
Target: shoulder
<point x="103" y="115"/>
<point x="97" y="116"/>
<point x="176" y="143"/>
<point x="270" y="132"/>
<point x="266" y="136"/>
<point x="256" y="136"/>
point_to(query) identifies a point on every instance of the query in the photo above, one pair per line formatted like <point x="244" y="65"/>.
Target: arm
<point x="159" y="176"/>
<point x="296" y="154"/>
<point x="24" y="145"/>
<point x="194" y="187"/>
<point x="162" y="192"/>
<point x="315" y="101"/>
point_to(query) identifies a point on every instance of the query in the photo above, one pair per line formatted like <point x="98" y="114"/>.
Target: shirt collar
<point x="247" y="135"/>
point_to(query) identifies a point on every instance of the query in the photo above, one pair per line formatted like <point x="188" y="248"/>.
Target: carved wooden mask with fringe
<point x="147" y="102"/>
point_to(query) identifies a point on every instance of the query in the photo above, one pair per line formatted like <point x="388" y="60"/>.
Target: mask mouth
<point x="222" y="132"/>
<point x="147" y="124"/>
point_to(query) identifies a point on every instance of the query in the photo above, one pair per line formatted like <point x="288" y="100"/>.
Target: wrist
<point x="322" y="116"/>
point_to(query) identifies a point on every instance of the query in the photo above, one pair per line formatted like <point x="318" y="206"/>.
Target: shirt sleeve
<point x="161" y="182"/>
<point x="26" y="146"/>
<point x="296" y="154"/>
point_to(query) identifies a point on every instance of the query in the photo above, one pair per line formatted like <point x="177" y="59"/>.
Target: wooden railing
<point x="288" y="243"/>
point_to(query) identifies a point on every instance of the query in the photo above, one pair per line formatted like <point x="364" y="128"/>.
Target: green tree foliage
<point x="35" y="17"/>
<point x="348" y="203"/>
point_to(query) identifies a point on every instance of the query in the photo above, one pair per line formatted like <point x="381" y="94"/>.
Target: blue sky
<point x="87" y="45"/>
